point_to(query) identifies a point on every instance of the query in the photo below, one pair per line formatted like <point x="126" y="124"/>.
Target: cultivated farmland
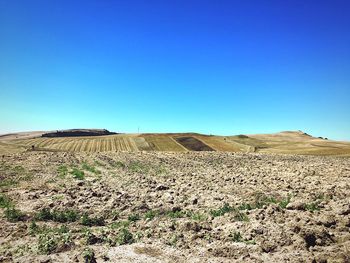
<point x="172" y="206"/>
<point x="283" y="142"/>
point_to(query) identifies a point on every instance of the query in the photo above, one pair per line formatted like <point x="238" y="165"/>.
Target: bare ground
<point x="174" y="207"/>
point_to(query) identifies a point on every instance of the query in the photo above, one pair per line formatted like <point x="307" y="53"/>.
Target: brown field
<point x="158" y="206"/>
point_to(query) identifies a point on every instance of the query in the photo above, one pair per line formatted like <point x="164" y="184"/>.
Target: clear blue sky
<point x="219" y="67"/>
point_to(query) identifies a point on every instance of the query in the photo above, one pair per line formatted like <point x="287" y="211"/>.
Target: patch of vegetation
<point x="62" y="170"/>
<point x="5" y="202"/>
<point x="54" y="242"/>
<point x="77" y="174"/>
<point x="18" y="169"/>
<point x="262" y="199"/>
<point x="138" y="167"/>
<point x="58" y="216"/>
<point x="312" y="207"/>
<point x="6" y="183"/>
<point x="173" y="240"/>
<point x="245" y="206"/>
<point x="199" y="217"/>
<point x="90" y="168"/>
<point x="57" y="197"/>
<point x="92" y="221"/>
<point x="13" y="215"/>
<point x="134" y="217"/>
<point x="118" y="164"/>
<point x="89" y="256"/>
<point x="124" y="237"/>
<point x="176" y="214"/>
<point x="160" y="170"/>
<point x="240" y="216"/>
<point x="120" y="224"/>
<point x="150" y="214"/>
<point x="35" y="229"/>
<point x="284" y="202"/>
<point x="98" y="163"/>
<point x="221" y="211"/>
<point x="237" y="237"/>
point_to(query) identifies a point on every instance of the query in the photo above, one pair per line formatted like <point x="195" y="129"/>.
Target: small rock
<point x="296" y="205"/>
<point x="162" y="187"/>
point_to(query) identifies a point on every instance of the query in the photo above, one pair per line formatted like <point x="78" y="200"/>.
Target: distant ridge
<point x="102" y="140"/>
<point x="78" y="133"/>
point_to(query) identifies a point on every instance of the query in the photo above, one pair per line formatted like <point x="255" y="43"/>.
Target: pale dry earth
<point x="176" y="207"/>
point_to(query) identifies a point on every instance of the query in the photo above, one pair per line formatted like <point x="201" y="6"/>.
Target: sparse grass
<point x="57" y="197"/>
<point x="241" y="216"/>
<point x="90" y="168"/>
<point x="118" y="164"/>
<point x="89" y="255"/>
<point x="92" y="221"/>
<point x="199" y="217"/>
<point x="221" y="211"/>
<point x="13" y="215"/>
<point x="173" y="240"/>
<point x="284" y="202"/>
<point x="7" y="183"/>
<point x="62" y="170"/>
<point x="245" y="206"/>
<point x="58" y="216"/>
<point x="150" y="214"/>
<point x="77" y="174"/>
<point x="53" y="242"/>
<point x="262" y="199"/>
<point x="120" y="224"/>
<point x="237" y="237"/>
<point x="160" y="170"/>
<point x="35" y="229"/>
<point x="312" y="207"/>
<point x="5" y="202"/>
<point x="138" y="167"/>
<point x="176" y="214"/>
<point x="124" y="237"/>
<point x="134" y="217"/>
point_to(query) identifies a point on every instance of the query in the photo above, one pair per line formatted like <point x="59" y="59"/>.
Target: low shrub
<point x="92" y="221"/>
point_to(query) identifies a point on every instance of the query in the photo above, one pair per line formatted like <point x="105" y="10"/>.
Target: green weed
<point x="13" y="215"/>
<point x="5" y="202"/>
<point x="312" y="207"/>
<point x="124" y="237"/>
<point x="78" y="174"/>
<point x="58" y="216"/>
<point x="51" y="242"/>
<point x="133" y="218"/>
<point x="89" y="255"/>
<point x="92" y="221"/>
<point x="199" y="217"/>
<point x="150" y="214"/>
<point x="120" y="224"/>
<point x="90" y="168"/>
<point x="62" y="170"/>
<point x="240" y="216"/>
<point x="221" y="211"/>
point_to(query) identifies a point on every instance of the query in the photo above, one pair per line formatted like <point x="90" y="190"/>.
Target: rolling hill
<point x="287" y="142"/>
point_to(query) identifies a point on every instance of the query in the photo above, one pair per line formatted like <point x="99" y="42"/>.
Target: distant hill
<point x="78" y="133"/>
<point x="99" y="140"/>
